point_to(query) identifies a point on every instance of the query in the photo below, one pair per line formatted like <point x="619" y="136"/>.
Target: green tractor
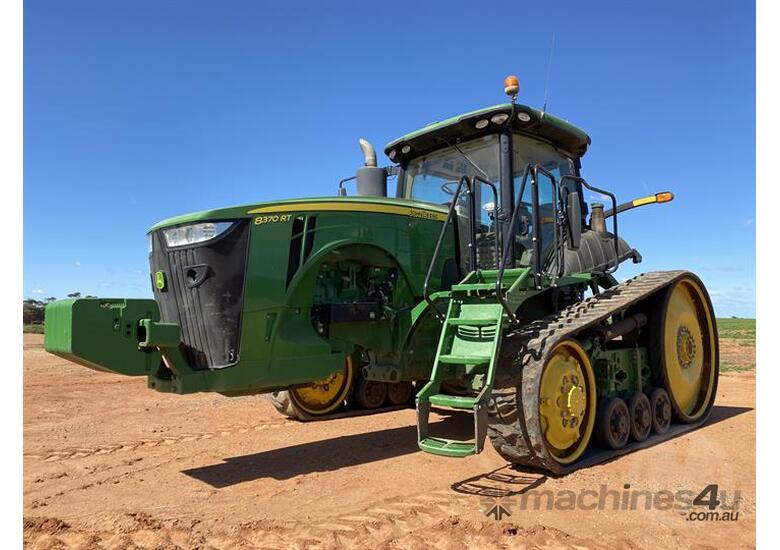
<point x="485" y="286"/>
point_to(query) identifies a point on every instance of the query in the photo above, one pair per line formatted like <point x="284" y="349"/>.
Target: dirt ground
<point x="111" y="464"/>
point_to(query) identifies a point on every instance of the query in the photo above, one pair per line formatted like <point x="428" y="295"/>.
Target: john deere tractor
<point x="484" y="285"/>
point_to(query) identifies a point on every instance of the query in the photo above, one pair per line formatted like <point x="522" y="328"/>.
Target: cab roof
<point x="464" y="127"/>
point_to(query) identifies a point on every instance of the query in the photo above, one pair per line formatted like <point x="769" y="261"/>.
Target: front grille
<point x="204" y="294"/>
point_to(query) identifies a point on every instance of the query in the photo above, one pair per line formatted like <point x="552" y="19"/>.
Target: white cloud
<point x="37" y="291"/>
<point x="77" y="263"/>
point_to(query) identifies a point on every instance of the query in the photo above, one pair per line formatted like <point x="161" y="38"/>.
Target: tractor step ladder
<point x="468" y="346"/>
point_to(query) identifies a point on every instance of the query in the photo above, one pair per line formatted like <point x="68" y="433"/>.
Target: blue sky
<point x="138" y="111"/>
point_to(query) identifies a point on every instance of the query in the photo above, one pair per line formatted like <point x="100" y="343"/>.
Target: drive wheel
<point x="686" y="361"/>
<point x="567" y="402"/>
<point x="370" y="394"/>
<point x="399" y="393"/>
<point x="614" y="423"/>
<point x="324" y="396"/>
<point x="641" y="416"/>
<point x="661" y="409"/>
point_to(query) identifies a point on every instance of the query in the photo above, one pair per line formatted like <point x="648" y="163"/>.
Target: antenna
<point x="547" y="80"/>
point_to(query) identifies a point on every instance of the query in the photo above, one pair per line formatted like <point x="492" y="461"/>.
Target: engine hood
<point x="401" y="207"/>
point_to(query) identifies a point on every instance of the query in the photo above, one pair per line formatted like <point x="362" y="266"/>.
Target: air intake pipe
<point x="371" y="180"/>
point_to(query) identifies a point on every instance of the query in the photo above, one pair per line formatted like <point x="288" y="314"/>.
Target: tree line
<point x="32" y="309"/>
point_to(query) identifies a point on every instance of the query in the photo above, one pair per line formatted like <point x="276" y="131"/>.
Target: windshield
<point x="435" y="177"/>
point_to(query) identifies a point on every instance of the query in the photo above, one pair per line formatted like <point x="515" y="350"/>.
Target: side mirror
<point x="574" y="219"/>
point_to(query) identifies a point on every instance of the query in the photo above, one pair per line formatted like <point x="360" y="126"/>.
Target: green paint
<point x="468" y="350"/>
<point x="242" y="211"/>
<point x="620" y="372"/>
<point x="102" y="333"/>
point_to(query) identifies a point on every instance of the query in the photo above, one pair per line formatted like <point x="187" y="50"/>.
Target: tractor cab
<point x="495" y="148"/>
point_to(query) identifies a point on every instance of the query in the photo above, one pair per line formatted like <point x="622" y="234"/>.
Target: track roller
<point x="399" y="393"/>
<point x="661" y="409"/>
<point x="370" y="394"/>
<point x="613" y="423"/>
<point x="641" y="416"/>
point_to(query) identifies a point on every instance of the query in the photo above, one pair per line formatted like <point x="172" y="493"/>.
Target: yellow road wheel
<point x="326" y="395"/>
<point x="685" y="348"/>
<point x="567" y="402"/>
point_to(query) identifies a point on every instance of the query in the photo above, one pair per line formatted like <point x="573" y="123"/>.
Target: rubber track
<point x="513" y="415"/>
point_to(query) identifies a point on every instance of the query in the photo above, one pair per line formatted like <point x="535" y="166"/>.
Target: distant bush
<point x="33" y="329"/>
<point x="32" y="311"/>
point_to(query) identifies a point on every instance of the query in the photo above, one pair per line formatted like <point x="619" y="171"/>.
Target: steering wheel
<point x="445" y="187"/>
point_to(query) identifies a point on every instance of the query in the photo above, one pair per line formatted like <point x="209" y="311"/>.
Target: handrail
<point x="472" y="251"/>
<point x="556" y="190"/>
<point x="470" y="186"/>
<point x="532" y="170"/>
<point x="507" y="247"/>
<point x="614" y="218"/>
<point x="497" y="221"/>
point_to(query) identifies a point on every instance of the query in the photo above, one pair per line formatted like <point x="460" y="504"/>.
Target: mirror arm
<point x="664" y="196"/>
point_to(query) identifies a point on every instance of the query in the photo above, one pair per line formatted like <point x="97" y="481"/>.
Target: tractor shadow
<point x="354" y="449"/>
<point x="598" y="455"/>
<point x="326" y="455"/>
<point x="513" y="480"/>
<point x="722" y="412"/>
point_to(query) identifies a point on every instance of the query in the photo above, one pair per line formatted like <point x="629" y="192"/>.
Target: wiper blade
<point x="468" y="159"/>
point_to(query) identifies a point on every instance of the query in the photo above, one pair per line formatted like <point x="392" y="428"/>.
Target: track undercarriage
<point x="517" y="423"/>
<point x="604" y="411"/>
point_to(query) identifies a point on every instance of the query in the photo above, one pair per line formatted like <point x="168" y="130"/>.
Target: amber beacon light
<point x="511" y="86"/>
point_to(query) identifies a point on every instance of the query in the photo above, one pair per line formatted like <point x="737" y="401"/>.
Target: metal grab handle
<point x="532" y="170"/>
<point x="557" y="207"/>
<point x="470" y="186"/>
<point x="614" y="217"/>
<point x="426" y="294"/>
<point x="507" y="246"/>
<point x="496" y="219"/>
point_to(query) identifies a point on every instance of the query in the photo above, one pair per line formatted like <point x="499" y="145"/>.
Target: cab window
<point x="527" y="151"/>
<point x="435" y="177"/>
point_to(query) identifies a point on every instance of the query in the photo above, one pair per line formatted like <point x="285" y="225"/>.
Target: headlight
<point x="195" y="233"/>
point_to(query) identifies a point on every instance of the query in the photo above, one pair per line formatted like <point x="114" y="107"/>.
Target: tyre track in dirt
<point x="425" y="520"/>
<point x="429" y="520"/>
<point x="107" y="449"/>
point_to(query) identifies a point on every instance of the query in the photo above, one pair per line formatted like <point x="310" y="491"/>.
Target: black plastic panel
<point x="204" y="294"/>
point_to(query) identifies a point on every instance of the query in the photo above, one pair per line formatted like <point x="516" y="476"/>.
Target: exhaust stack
<point x="368" y="152"/>
<point x="371" y="180"/>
